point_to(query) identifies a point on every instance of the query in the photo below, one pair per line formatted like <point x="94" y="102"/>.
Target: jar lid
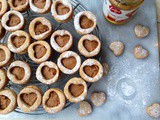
<point x="126" y="4"/>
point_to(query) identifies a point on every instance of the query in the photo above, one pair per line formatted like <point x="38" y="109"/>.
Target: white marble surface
<point x="131" y="84"/>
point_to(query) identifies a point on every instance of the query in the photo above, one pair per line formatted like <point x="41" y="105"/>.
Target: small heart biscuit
<point x="140" y="52"/>
<point x="141" y="31"/>
<point x="98" y="99"/>
<point x="84" y="108"/>
<point x="117" y="48"/>
<point x="153" y="110"/>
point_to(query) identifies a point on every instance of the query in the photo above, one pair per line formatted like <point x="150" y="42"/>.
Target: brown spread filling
<point x="90" y="45"/>
<point x="2" y="55"/>
<point x="53" y="100"/>
<point x="17" y="3"/>
<point x="86" y="23"/>
<point x="40" y="51"/>
<point x="48" y="73"/>
<point x="69" y="63"/>
<point x="76" y="90"/>
<point x="19" y="72"/>
<point x="40" y="28"/>
<point x="91" y="71"/>
<point x="0" y="6"/>
<point x="39" y="3"/>
<point x="61" y="9"/>
<point x="4" y="102"/>
<point x="13" y="20"/>
<point x="29" y="99"/>
<point x="62" y="40"/>
<point x="18" y="40"/>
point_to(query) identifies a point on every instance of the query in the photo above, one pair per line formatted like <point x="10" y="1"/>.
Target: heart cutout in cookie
<point x="48" y="72"/>
<point x="76" y="90"/>
<point x="117" y="48"/>
<point x="18" y="72"/>
<point x="62" y="40"/>
<point x="2" y="55"/>
<point x="53" y="100"/>
<point x="153" y="110"/>
<point x="40" y="51"/>
<point x="141" y="31"/>
<point x="4" y="102"/>
<point x="84" y="109"/>
<point x="18" y="41"/>
<point x="29" y="99"/>
<point x="140" y="52"/>
<point x="39" y="3"/>
<point x="13" y="20"/>
<point x="91" y="71"/>
<point x="69" y="63"/>
<point x="90" y="45"/>
<point x="17" y="3"/>
<point x="98" y="98"/>
<point x="62" y="9"/>
<point x="86" y="23"/>
<point x="40" y="28"/>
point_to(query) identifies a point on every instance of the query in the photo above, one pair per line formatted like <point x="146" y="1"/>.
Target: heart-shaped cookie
<point x="62" y="40"/>
<point x="19" y="72"/>
<point x="18" y="41"/>
<point x="4" y="102"/>
<point x="117" y="48"/>
<point x="69" y="63"/>
<point x="91" y="71"/>
<point x="76" y="90"/>
<point x="86" y="23"/>
<point x="29" y="99"/>
<point x="61" y="9"/>
<point x="53" y="100"/>
<point x="141" y="31"/>
<point x="2" y="55"/>
<point x="48" y="72"/>
<point x="154" y="110"/>
<point x="84" y="108"/>
<point x="40" y="28"/>
<point x="98" y="99"/>
<point x="140" y="52"/>
<point x="90" y="45"/>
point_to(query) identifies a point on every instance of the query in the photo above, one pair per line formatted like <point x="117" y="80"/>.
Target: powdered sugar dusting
<point x="127" y="89"/>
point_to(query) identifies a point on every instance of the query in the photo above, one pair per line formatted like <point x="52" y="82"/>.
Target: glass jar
<point x="120" y="11"/>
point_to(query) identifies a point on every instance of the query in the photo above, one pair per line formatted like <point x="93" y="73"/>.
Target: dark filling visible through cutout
<point x="53" y="100"/>
<point x="62" y="40"/>
<point x="19" y="72"/>
<point x="48" y="73"/>
<point x="18" y="40"/>
<point x="40" y="51"/>
<point x="61" y="9"/>
<point x="13" y="20"/>
<point x="86" y="23"/>
<point x="17" y="3"/>
<point x="90" y="45"/>
<point x="29" y="99"/>
<point x="2" y="55"/>
<point x="40" y="28"/>
<point x="76" y="90"/>
<point x="39" y="3"/>
<point x="91" y="71"/>
<point x="4" y="102"/>
<point x="0" y="6"/>
<point x="69" y="63"/>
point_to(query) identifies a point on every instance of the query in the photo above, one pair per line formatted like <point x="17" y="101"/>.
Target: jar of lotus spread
<point x="120" y="11"/>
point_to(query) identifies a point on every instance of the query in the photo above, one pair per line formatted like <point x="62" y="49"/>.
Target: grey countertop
<point x="131" y="84"/>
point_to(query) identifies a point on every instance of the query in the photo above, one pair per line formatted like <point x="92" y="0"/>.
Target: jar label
<point x="117" y="15"/>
